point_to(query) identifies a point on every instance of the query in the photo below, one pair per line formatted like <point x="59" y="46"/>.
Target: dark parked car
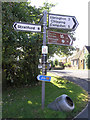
<point x="48" y="66"/>
<point x="62" y="64"/>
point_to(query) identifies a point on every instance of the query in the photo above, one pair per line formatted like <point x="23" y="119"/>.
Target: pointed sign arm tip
<point x="75" y="23"/>
<point x="14" y="25"/>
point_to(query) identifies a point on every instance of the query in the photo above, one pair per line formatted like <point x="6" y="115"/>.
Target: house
<point x="78" y="61"/>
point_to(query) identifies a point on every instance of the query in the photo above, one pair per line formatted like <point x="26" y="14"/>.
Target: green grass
<point x="26" y="102"/>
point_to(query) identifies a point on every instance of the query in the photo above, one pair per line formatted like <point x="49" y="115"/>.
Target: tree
<point x="22" y="45"/>
<point x="88" y="61"/>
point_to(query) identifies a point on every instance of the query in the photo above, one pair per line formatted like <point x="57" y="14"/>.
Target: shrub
<point x="88" y="61"/>
<point x="67" y="64"/>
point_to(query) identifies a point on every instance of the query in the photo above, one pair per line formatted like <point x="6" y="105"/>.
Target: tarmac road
<point x="80" y="77"/>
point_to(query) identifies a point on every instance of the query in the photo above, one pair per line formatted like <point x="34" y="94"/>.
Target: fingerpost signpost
<point x="56" y="22"/>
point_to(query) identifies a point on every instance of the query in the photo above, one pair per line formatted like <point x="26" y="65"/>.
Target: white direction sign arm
<point x="62" y="22"/>
<point x="27" y="27"/>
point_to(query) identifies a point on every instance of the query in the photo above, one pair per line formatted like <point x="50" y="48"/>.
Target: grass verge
<point x="26" y="102"/>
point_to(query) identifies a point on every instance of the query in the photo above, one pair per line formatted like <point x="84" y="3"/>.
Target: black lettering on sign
<point x="19" y="26"/>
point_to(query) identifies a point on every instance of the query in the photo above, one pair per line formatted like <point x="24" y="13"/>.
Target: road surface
<point x="80" y="77"/>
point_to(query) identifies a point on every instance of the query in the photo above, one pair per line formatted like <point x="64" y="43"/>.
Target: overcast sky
<point x="77" y="8"/>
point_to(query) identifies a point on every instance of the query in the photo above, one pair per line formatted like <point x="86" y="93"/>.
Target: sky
<point x="77" y="8"/>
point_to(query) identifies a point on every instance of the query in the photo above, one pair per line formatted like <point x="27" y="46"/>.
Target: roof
<point x="88" y="48"/>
